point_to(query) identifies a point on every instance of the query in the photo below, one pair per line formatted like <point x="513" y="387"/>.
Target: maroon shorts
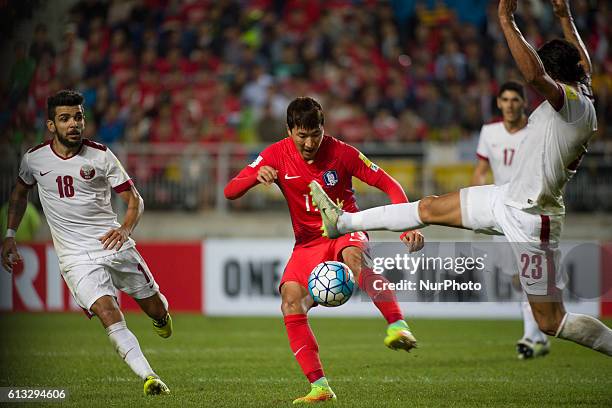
<point x="305" y="257"/>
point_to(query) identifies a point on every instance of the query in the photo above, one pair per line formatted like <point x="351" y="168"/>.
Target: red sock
<point x="304" y="346"/>
<point x="384" y="300"/>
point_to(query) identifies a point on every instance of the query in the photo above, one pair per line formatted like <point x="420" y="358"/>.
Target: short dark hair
<point x="304" y="112"/>
<point x="561" y="61"/>
<point x="65" y="97"/>
<point x="512" y="86"/>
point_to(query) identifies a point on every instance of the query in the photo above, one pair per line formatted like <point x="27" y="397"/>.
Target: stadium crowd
<point x="164" y="71"/>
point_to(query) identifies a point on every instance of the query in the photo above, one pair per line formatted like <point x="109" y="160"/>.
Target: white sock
<point x="127" y="347"/>
<point x="394" y="217"/>
<point x="587" y="331"/>
<point x="531" y="330"/>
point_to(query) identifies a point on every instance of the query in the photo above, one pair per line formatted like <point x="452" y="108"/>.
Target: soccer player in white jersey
<point x="497" y="147"/>
<point x="529" y="209"/>
<point x="499" y="141"/>
<point x="96" y="254"/>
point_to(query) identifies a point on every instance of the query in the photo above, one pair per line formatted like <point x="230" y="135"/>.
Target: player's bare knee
<point x="294" y="303"/>
<point x="292" y="306"/>
<point x="426" y="212"/>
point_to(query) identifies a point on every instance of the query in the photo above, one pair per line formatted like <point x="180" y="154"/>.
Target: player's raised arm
<point x="17" y="207"/>
<point x="255" y="173"/>
<point x="562" y="11"/>
<point x="526" y="58"/>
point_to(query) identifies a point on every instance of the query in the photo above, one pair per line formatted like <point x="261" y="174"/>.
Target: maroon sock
<point x="304" y="346"/>
<point x="384" y="299"/>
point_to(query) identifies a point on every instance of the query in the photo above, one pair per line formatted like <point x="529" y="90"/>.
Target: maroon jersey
<point x="334" y="166"/>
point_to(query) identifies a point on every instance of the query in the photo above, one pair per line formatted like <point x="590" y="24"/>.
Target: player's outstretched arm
<point x="249" y="178"/>
<point x="526" y="58"/>
<point x="116" y="237"/>
<point x="17" y="207"/>
<point x="562" y="11"/>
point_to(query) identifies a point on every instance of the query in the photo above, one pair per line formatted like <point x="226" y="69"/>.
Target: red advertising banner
<point x="177" y="269"/>
<point x="36" y="285"/>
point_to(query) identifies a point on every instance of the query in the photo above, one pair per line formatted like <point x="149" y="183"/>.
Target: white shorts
<point x="125" y="270"/>
<point x="534" y="238"/>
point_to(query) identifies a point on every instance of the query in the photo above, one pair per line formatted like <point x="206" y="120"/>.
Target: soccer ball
<point x="331" y="283"/>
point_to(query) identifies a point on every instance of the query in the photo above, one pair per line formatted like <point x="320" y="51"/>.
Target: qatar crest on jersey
<point x="87" y="172"/>
<point x="330" y="178"/>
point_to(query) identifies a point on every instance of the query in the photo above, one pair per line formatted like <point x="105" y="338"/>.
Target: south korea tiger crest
<point x="330" y="178"/>
<point x="87" y="172"/>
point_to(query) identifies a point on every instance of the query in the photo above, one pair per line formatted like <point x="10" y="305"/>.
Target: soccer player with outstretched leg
<point x="497" y="146"/>
<point x="528" y="210"/>
<point x="96" y="254"/>
<point x="307" y="154"/>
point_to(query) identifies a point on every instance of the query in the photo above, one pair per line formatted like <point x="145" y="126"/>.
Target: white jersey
<point x="76" y="198"/>
<point x="551" y="153"/>
<point x="499" y="147"/>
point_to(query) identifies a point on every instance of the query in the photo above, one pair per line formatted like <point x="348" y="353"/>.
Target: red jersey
<point x="334" y="166"/>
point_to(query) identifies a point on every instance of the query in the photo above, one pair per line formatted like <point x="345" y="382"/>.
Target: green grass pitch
<point x="243" y="362"/>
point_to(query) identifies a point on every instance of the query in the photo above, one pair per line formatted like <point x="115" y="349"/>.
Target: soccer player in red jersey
<point x="292" y="163"/>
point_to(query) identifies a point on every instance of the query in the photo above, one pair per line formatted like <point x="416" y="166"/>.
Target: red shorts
<point x="305" y="257"/>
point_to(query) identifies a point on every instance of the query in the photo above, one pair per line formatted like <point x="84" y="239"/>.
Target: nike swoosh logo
<point x="44" y="174"/>
<point x="531" y="284"/>
<point x="298" y="350"/>
<point x="291" y="177"/>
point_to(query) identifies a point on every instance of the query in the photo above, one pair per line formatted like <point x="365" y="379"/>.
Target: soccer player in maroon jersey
<point x="308" y="154"/>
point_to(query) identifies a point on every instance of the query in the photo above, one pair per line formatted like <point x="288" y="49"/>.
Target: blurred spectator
<point x="270" y="128"/>
<point x="112" y="125"/>
<point x="71" y="56"/>
<point x="385" y="126"/>
<point x="411" y="127"/>
<point x="21" y="72"/>
<point x="451" y="60"/>
<point x="41" y="44"/>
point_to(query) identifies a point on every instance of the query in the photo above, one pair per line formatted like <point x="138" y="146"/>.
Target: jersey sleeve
<point x="482" y="151"/>
<point x="26" y="176"/>
<point x="116" y="175"/>
<point x="362" y="168"/>
<point x="247" y="178"/>
<point x="575" y="104"/>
